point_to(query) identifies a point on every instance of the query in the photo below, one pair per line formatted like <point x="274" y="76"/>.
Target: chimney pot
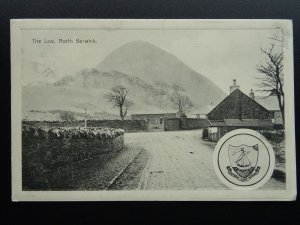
<point x="234" y="86"/>
<point x="251" y="94"/>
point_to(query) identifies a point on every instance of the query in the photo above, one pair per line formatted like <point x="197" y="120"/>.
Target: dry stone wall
<point x="52" y="149"/>
<point x="185" y="124"/>
<point x="127" y="125"/>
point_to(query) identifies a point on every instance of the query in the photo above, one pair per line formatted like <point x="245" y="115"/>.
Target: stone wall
<point x="185" y="123"/>
<point x="192" y="123"/>
<point x="172" y="124"/>
<point x="153" y="116"/>
<point x="48" y="152"/>
<point x="127" y="125"/>
<point x="54" y="124"/>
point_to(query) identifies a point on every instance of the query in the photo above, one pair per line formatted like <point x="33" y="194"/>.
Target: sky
<point x="220" y="55"/>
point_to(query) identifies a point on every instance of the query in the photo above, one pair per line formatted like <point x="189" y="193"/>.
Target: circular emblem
<point x="244" y="159"/>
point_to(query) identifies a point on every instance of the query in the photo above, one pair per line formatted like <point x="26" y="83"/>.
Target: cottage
<point x="202" y="112"/>
<point x="156" y="120"/>
<point x="270" y="102"/>
<point x="237" y="110"/>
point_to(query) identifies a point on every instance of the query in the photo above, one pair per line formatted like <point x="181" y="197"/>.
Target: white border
<point x="18" y="195"/>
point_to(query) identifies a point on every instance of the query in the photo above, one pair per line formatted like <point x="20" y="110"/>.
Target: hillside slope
<point x="152" y="64"/>
<point x="148" y="72"/>
<point x="87" y="90"/>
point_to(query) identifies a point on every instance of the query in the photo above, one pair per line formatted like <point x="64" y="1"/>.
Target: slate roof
<point x="269" y="102"/>
<point x="238" y="105"/>
<point x="160" y="114"/>
<point x="152" y="112"/>
<point x="216" y="123"/>
<point x="203" y="110"/>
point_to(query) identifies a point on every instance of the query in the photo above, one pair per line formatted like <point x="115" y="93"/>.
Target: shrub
<point x="276" y="136"/>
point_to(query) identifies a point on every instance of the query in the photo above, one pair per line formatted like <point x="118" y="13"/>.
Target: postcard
<point x="143" y="110"/>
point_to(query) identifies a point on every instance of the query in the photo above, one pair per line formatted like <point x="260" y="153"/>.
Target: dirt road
<point x="179" y="160"/>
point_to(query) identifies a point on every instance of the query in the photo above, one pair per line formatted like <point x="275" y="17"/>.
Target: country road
<point x="179" y="160"/>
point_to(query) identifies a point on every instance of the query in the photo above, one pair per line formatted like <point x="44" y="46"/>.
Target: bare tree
<point x="180" y="101"/>
<point x="272" y="70"/>
<point x="117" y="96"/>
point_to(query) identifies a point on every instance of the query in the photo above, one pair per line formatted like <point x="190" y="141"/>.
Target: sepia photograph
<point x="140" y="109"/>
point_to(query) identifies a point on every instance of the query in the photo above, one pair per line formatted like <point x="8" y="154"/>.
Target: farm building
<point x="156" y="120"/>
<point x="171" y="121"/>
<point x="270" y="102"/>
<point x="202" y="112"/>
<point x="236" y="111"/>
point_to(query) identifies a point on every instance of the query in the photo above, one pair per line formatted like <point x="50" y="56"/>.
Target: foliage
<point x="275" y="136"/>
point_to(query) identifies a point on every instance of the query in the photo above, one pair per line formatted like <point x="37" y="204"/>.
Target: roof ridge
<point x="238" y="91"/>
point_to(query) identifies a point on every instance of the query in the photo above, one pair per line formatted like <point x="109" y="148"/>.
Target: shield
<point x="243" y="159"/>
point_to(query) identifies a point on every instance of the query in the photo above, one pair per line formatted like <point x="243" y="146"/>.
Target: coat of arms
<point x="243" y="161"/>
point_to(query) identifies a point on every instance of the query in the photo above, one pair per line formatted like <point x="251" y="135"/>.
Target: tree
<point x="272" y="71"/>
<point x="117" y="96"/>
<point x="180" y="101"/>
<point x="67" y="116"/>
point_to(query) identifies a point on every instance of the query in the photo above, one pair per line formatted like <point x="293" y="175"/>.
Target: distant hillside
<point x="146" y="71"/>
<point x="86" y="90"/>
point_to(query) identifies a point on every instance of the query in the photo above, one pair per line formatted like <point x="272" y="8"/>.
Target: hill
<point x="147" y="71"/>
<point x="154" y="65"/>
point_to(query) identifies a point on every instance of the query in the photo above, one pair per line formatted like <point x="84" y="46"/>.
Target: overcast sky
<point x="220" y="55"/>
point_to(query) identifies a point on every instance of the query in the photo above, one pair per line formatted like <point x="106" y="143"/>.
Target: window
<point x="161" y="120"/>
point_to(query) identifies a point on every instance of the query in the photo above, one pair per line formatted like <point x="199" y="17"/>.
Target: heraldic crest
<point x="243" y="161"/>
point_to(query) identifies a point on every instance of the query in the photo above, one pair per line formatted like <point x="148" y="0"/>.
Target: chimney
<point x="234" y="86"/>
<point x="251" y="94"/>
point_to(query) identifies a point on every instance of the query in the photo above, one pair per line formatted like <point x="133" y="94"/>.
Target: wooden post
<point x="85" y="126"/>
